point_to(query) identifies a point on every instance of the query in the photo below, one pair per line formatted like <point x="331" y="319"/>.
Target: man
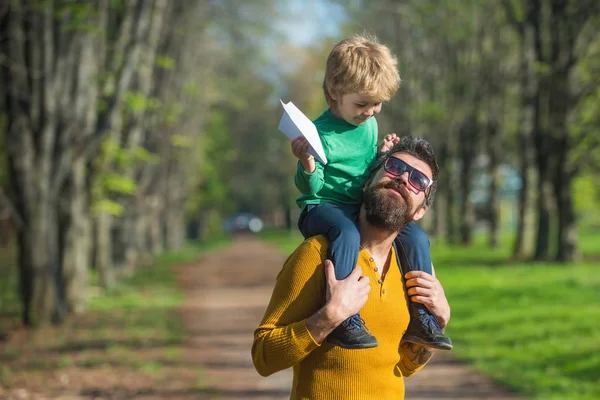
<point x="296" y="322"/>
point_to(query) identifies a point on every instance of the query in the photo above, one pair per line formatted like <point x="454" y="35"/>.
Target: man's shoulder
<point x="312" y="250"/>
<point x="308" y="256"/>
<point x="317" y="243"/>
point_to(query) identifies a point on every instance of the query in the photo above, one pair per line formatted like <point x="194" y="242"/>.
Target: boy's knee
<point x="348" y="233"/>
<point x="414" y="237"/>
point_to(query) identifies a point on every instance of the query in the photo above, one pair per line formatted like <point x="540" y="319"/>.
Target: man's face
<point x="355" y="108"/>
<point x="388" y="201"/>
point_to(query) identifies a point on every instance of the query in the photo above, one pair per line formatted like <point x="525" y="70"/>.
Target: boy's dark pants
<point x="338" y="223"/>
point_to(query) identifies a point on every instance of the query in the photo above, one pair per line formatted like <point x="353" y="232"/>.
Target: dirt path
<point x="227" y="295"/>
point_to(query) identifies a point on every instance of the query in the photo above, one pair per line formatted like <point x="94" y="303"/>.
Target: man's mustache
<point x="398" y="186"/>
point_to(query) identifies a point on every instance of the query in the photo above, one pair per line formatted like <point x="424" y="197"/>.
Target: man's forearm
<point x="416" y="354"/>
<point x="322" y="323"/>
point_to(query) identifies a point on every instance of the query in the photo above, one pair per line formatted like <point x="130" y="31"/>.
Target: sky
<point x="308" y="20"/>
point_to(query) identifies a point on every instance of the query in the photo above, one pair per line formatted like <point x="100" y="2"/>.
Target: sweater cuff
<point x="306" y="173"/>
<point x="305" y="338"/>
<point x="409" y="367"/>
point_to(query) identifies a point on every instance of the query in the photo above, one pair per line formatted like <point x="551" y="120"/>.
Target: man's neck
<point x="376" y="241"/>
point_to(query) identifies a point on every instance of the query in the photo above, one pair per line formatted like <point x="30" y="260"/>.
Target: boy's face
<point x="355" y="108"/>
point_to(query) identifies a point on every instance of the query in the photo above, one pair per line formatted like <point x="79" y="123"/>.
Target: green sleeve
<point x="309" y="183"/>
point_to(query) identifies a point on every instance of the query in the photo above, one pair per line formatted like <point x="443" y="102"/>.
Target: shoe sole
<point x="352" y="346"/>
<point x="435" y="345"/>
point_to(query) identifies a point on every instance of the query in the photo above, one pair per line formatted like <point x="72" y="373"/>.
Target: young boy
<point x="360" y="74"/>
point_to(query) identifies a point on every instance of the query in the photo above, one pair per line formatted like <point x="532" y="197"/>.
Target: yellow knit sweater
<point x="325" y="371"/>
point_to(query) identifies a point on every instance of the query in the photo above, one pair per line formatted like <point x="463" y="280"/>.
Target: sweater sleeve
<point x="309" y="183"/>
<point x="407" y="367"/>
<point x="282" y="340"/>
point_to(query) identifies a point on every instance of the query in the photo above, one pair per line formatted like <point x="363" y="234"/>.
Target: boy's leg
<point x="414" y="255"/>
<point x="338" y="223"/>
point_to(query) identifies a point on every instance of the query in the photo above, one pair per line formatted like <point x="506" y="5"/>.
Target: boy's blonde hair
<point x="360" y="64"/>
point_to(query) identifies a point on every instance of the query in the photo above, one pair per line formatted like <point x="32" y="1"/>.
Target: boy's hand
<point x="387" y="143"/>
<point x="300" y="148"/>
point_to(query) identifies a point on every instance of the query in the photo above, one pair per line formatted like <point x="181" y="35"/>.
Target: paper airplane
<point x="294" y="123"/>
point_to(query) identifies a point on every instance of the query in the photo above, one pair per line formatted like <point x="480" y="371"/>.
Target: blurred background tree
<point x="127" y="126"/>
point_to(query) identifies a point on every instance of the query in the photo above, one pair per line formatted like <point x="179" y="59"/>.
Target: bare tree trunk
<point x="175" y="209"/>
<point x="494" y="143"/>
<point x="103" y="246"/>
<point x="524" y="147"/>
<point x="468" y="134"/>
<point x="440" y="211"/>
<point x="565" y="28"/>
<point x="77" y="240"/>
<point x="31" y="138"/>
<point x="542" y="143"/>
<point x="448" y="182"/>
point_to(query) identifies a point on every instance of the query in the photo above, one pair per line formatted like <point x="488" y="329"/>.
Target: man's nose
<point x="403" y="177"/>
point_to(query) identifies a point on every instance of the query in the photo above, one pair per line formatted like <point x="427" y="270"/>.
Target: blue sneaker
<point x="352" y="334"/>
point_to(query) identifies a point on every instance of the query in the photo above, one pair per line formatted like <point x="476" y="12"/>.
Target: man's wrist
<point x="332" y="315"/>
<point x="322" y="323"/>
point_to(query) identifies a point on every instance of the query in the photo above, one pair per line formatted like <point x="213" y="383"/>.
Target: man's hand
<point x="387" y="143"/>
<point x="344" y="299"/>
<point x="426" y="289"/>
<point x="347" y="296"/>
<point x="300" y="148"/>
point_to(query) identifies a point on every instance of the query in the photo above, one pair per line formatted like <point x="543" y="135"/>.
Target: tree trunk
<point x="563" y="38"/>
<point x="103" y="246"/>
<point x="39" y="270"/>
<point x="494" y="150"/>
<point x="468" y="134"/>
<point x="567" y="228"/>
<point x="542" y="142"/>
<point x="524" y="150"/>
<point x="447" y="181"/>
<point x="542" y="246"/>
<point x="157" y="240"/>
<point x="440" y="210"/>
<point x="76" y="227"/>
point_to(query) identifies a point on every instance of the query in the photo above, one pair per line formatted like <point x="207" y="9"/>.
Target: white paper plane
<point x="294" y="123"/>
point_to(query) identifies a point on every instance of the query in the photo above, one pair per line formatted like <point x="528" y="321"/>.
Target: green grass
<point x="533" y="326"/>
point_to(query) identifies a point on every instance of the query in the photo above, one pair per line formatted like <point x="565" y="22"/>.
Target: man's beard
<point x="384" y="209"/>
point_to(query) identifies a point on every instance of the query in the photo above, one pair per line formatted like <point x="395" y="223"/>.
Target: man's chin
<point x="388" y="209"/>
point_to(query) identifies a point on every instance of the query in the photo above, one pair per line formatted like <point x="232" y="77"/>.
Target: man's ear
<point x="420" y="213"/>
<point x="366" y="185"/>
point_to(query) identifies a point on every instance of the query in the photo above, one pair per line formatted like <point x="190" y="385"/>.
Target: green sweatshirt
<point x="350" y="150"/>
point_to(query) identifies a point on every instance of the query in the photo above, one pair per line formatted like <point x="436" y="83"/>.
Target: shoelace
<point x="430" y="323"/>
<point x="354" y="324"/>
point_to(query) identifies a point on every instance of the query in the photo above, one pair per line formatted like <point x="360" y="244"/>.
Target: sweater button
<point x="382" y="291"/>
<point x="380" y="281"/>
<point x="371" y="259"/>
<point x="375" y="269"/>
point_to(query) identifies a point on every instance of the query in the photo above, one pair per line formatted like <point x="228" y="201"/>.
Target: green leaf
<point x="109" y="207"/>
<point x="118" y="183"/>
<point x="165" y="62"/>
<point x="181" y="141"/>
